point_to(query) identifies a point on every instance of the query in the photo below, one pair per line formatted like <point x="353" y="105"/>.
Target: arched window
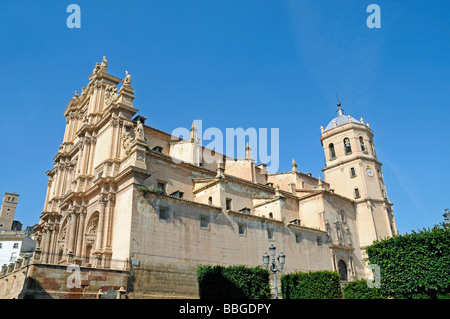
<point x="332" y="152"/>
<point x="210" y="201"/>
<point x="347" y="146"/>
<point x="270" y="215"/>
<point x="361" y="142"/>
<point x="342" y="267"/>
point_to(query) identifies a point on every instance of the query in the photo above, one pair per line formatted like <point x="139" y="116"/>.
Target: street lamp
<point x="273" y="267"/>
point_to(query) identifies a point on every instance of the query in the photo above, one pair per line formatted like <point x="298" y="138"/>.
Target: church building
<point x="136" y="210"/>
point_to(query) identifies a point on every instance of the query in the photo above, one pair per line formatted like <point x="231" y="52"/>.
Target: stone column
<point x="118" y="140"/>
<point x="46" y="246"/>
<point x="71" y="231"/>
<point x="99" y="239"/>
<point x="108" y="222"/>
<point x="47" y="195"/>
<point x="86" y="154"/>
<point x="48" y="256"/>
<point x="79" y="244"/>
<point x="91" y="159"/>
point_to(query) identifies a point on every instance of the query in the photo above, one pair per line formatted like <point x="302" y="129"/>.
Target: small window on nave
<point x="357" y="195"/>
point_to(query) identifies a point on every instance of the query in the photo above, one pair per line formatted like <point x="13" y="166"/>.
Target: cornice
<point x="255" y="217"/>
<point x="183" y="200"/>
<point x="300" y="227"/>
<point x="334" y="246"/>
<point x="351" y="159"/>
<point x="345" y="127"/>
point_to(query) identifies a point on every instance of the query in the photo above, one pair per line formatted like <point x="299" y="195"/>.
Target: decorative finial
<point x="340" y="111"/>
<point x="294" y="165"/>
<point x="362" y="120"/>
<point x="220" y="170"/>
<point x="248" y="151"/>
<point x="321" y="129"/>
<point x="193" y="132"/>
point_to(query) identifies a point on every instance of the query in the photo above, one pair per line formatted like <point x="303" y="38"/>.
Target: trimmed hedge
<point x="359" y="290"/>
<point x="311" y="285"/>
<point x="414" y="265"/>
<point x="233" y="282"/>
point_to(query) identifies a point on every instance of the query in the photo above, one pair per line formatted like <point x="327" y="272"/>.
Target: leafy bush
<point x="311" y="285"/>
<point x="145" y="189"/>
<point x="414" y="265"/>
<point x="359" y="290"/>
<point x="233" y="282"/>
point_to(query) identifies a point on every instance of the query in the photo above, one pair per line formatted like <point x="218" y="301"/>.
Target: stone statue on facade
<point x="103" y="66"/>
<point x="139" y="131"/>
<point x="127" y="80"/>
<point x="127" y="139"/>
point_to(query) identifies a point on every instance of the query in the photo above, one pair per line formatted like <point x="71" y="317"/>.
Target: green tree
<point x="414" y="264"/>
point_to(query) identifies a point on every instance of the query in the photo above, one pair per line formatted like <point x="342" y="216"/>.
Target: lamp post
<point x="273" y="267"/>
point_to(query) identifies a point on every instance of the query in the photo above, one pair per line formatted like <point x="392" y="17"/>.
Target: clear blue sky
<point x="238" y="64"/>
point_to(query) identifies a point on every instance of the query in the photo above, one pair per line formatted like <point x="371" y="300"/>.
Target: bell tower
<point x="8" y="210"/>
<point x="353" y="170"/>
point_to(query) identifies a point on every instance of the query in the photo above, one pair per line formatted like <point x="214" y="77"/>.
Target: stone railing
<point x="11" y="267"/>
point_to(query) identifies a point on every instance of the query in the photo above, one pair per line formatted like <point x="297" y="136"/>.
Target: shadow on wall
<point x="32" y="289"/>
<point x="216" y="286"/>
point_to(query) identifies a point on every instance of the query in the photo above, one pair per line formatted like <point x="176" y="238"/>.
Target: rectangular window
<point x="157" y="149"/>
<point x="298" y="238"/>
<point x="319" y="241"/>
<point x="163" y="213"/>
<point x="357" y="193"/>
<point x="0" y="245"/>
<point x="270" y="233"/>
<point x="161" y="187"/>
<point x="16" y="245"/>
<point x="352" y="172"/>
<point x="241" y="229"/>
<point x="228" y="203"/>
<point x="177" y="194"/>
<point x="203" y="222"/>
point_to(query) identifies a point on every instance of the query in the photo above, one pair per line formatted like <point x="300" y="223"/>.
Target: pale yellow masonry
<point x="125" y="196"/>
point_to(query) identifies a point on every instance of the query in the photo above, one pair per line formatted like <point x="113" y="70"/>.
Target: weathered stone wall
<point x="166" y="251"/>
<point x="44" y="281"/>
<point x="156" y="280"/>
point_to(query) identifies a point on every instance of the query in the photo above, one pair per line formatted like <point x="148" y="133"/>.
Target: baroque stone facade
<point x="125" y="197"/>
